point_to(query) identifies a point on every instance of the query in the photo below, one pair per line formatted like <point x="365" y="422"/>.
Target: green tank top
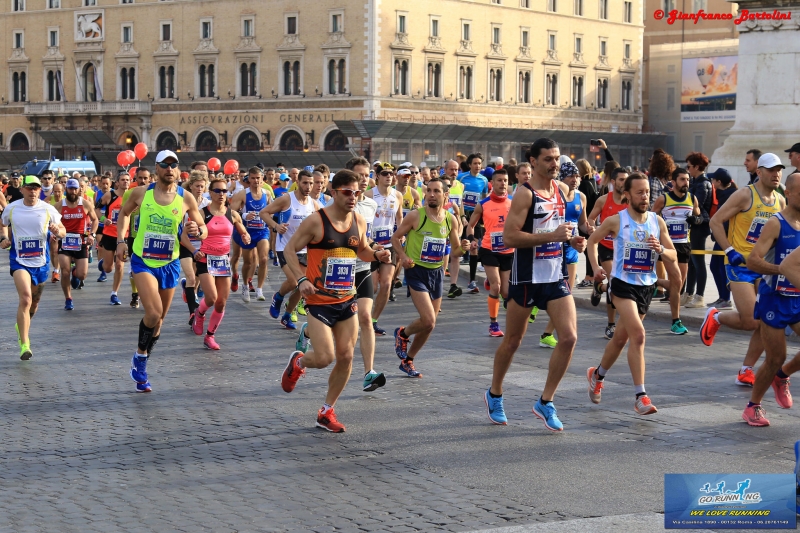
<point x="134" y="224"/>
<point x="426" y="245"/>
<point x="156" y="242"/>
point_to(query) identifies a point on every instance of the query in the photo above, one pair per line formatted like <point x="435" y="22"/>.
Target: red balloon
<point x="131" y="156"/>
<point x="140" y="150"/>
<point x="125" y="158"/>
<point x="231" y="166"/>
<point x="214" y="164"/>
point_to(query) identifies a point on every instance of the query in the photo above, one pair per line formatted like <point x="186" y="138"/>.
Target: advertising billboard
<point x="708" y="89"/>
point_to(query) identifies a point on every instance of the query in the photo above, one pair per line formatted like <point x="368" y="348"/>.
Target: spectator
<point x="701" y="188"/>
<point x="661" y="168"/>
<point x="794" y="158"/>
<point x="724" y="188"/>
<point x="12" y="191"/>
<point x="608" y="169"/>
<point x="751" y="164"/>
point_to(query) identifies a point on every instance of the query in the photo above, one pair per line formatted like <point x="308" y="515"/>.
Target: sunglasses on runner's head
<point x="386" y="172"/>
<point x="347" y="192"/>
<point x="168" y="165"/>
<point x="218" y="191"/>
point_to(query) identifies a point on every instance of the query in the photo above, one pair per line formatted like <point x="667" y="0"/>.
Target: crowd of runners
<point x="345" y="241"/>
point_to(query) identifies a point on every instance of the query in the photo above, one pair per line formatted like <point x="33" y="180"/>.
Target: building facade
<point x="243" y="75"/>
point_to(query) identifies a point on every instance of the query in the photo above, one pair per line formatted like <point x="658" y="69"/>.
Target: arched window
<point x="496" y="85"/>
<point x="401" y="76"/>
<point x="287" y="78"/>
<point x="244" y="80"/>
<point x="132" y="83"/>
<point x="162" y="82"/>
<point x="201" y="74"/>
<point x="602" y="93"/>
<point x="291" y="141"/>
<point x="253" y="79"/>
<point x="171" y="82"/>
<point x="166" y="141"/>
<point x="89" y="86"/>
<point x="332" y="76"/>
<point x="206" y="142"/>
<point x="524" y="87"/>
<point x="296" y="77"/>
<point x="211" y="88"/>
<point x="341" y="72"/>
<point x="248" y="142"/>
<point x="53" y="91"/>
<point x="19" y="81"/>
<point x="434" y="79"/>
<point x="19" y="142"/>
<point x="577" y="91"/>
<point x="552" y="89"/>
<point x="626" y="95"/>
<point x="123" y="78"/>
<point x="335" y="141"/>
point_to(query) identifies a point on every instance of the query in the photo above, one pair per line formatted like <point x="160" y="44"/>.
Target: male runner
<point x="387" y="219"/>
<point x="249" y="202"/>
<point x="639" y="236"/>
<point x="536" y="228"/>
<point x="428" y="230"/>
<point x="455" y="194"/>
<point x="747" y="210"/>
<point x="335" y="238"/>
<point x="112" y="200"/>
<point x="80" y="223"/>
<point x="154" y="258"/>
<point x="606" y="206"/>
<point x="292" y="208"/>
<point x="30" y="220"/>
<point x="46" y="195"/>
<point x="495" y="256"/>
<point x="680" y="209"/>
<point x="777" y="304"/>
<point x="476" y="188"/>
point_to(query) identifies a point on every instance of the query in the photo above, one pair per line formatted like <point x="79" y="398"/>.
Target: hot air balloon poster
<point x="708" y="91"/>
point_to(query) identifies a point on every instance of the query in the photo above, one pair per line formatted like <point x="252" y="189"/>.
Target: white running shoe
<point x="245" y="293"/>
<point x="260" y="295"/>
<point x="697" y="302"/>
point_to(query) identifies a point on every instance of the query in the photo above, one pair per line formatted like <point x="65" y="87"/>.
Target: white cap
<point x="769" y="161"/>
<point x="166" y="154"/>
<point x="376" y="162"/>
<point x="405" y="165"/>
<point x="423" y="164"/>
<point x="403" y="172"/>
<point x="498" y="160"/>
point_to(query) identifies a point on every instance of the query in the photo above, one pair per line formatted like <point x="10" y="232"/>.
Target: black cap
<point x="15" y="175"/>
<point x="795" y="148"/>
<point x="721" y="175"/>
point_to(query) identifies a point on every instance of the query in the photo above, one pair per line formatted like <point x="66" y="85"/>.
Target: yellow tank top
<point x="745" y="227"/>
<point x="408" y="201"/>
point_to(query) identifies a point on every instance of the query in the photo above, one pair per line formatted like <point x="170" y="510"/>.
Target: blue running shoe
<point x="407" y="366"/>
<point x="275" y="306"/>
<point x="494" y="408"/>
<point x="303" y="343"/>
<point x="139" y="369"/>
<point x="271" y="254"/>
<point x="547" y="412"/>
<point x="102" y="277"/>
<point x="68" y="304"/>
<point x="115" y="300"/>
<point x="74" y="282"/>
<point x="400" y="344"/>
<point x="100" y="266"/>
<point x="200" y="293"/>
<point x="143" y="387"/>
<point x="286" y="321"/>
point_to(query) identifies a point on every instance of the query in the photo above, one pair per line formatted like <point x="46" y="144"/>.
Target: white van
<point x="36" y="167"/>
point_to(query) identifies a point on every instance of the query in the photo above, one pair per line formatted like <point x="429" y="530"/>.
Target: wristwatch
<point x="121" y="241"/>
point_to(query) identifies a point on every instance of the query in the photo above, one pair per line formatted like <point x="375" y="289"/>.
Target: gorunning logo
<point x="719" y="495"/>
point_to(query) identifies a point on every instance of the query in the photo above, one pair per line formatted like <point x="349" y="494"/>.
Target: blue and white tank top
<point x="788" y="240"/>
<point x="634" y="260"/>
<point x="297" y="213"/>
<point x="254" y="206"/>
<point x="543" y="263"/>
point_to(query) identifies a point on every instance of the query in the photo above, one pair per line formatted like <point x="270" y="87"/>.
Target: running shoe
<point x="548" y="342"/>
<point x="275" y="306"/>
<point x="398" y="284"/>
<point x="245" y="294"/>
<point x="115" y="300"/>
<point x="271" y="254"/>
<point x="286" y="321"/>
<point x="74" y="282"/>
<point x="191" y="320"/>
<point x="139" y="369"/>
<point x="481" y="268"/>
<point x="392" y="297"/>
<point x="596" y="294"/>
<point x="609" y="332"/>
<point x="250" y="285"/>
<point x="472" y="288"/>
<point x="292" y="372"/>
<point x="293" y="316"/>
<point x="235" y="284"/>
<point x="183" y="289"/>
<point x="686" y="298"/>
<point x="487" y="285"/>
<point x="103" y="277"/>
<point x="664" y="298"/>
<point x="698" y="302"/>
<point x="144" y="387"/>
<point x="400" y="344"/>
<point x="746" y="378"/>
<point x="373" y="380"/>
<point x="782" y="394"/>
<point x="303" y="343"/>
<point x="678" y="328"/>
<point x="534" y="312"/>
<point x="755" y="415"/>
<point x="210" y="343"/>
<point x="407" y="366"/>
<point x="710" y="326"/>
<point x="644" y="406"/>
<point x="328" y="421"/>
<point x="275" y="262"/>
<point x="301" y="308"/>
<point x="135" y="300"/>
<point x="25" y="352"/>
<point x="198" y="323"/>
<point x="494" y="409"/>
<point x="68" y="305"/>
<point x="80" y="285"/>
<point x="260" y="295"/>
<point x="455" y="291"/>
<point x="547" y="413"/>
<point x="494" y="330"/>
<point x="724" y="304"/>
<point x="585" y="284"/>
<point x="379" y="331"/>
<point x="595" y="385"/>
<point x="715" y="303"/>
<point x="199" y="291"/>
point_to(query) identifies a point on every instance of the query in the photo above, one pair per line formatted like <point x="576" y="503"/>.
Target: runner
<point x="476" y="188"/>
<point x="112" y="201"/>
<point x="680" y="209"/>
<point x="250" y="202"/>
<point x="777" y="304"/>
<point x="428" y="229"/>
<point x="46" y="195"/>
<point x="387" y="219"/>
<point x="335" y="238"/>
<point x="608" y="205"/>
<point x="746" y="211"/>
<point x="143" y="178"/>
<point x="80" y="223"/>
<point x="292" y="208"/>
<point x="213" y="260"/>
<point x="154" y="258"/>
<point x="537" y="229"/>
<point x="455" y="194"/>
<point x="196" y="185"/>
<point x="639" y="236"/>
<point x="55" y="198"/>
<point x="30" y="220"/>
<point x="495" y="257"/>
<point x="104" y="185"/>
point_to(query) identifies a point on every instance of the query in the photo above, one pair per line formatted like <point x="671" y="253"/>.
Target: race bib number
<point x="219" y="266"/>
<point x="549" y="250"/>
<point x="471" y="199"/>
<point x="755" y="229"/>
<point x="30" y="247"/>
<point x="382" y="235"/>
<point x="638" y="258"/>
<point x="678" y="230"/>
<point x="432" y="250"/>
<point x="114" y="215"/>
<point x="195" y="243"/>
<point x="455" y="200"/>
<point x="158" y="246"/>
<point x="72" y="242"/>
<point x="255" y="223"/>
<point x="340" y="274"/>
<point x="497" y="241"/>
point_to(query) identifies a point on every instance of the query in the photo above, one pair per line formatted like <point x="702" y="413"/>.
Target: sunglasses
<point x="218" y="191"/>
<point x="386" y="172"/>
<point x="168" y="165"/>
<point x="347" y="192"/>
<point x="414" y="173"/>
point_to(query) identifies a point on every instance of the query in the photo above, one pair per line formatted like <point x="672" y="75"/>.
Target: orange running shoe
<point x="746" y="378"/>
<point x="755" y="415"/>
<point x="595" y="385"/>
<point x="643" y="406"/>
<point x="328" y="421"/>
<point x="782" y="394"/>
<point x="56" y="277"/>
<point x="710" y="326"/>
<point x="292" y="372"/>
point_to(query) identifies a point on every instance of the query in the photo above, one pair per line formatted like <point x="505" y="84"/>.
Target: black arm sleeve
<point x="608" y="155"/>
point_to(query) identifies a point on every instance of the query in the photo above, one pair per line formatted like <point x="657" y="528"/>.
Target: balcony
<point x="119" y="107"/>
